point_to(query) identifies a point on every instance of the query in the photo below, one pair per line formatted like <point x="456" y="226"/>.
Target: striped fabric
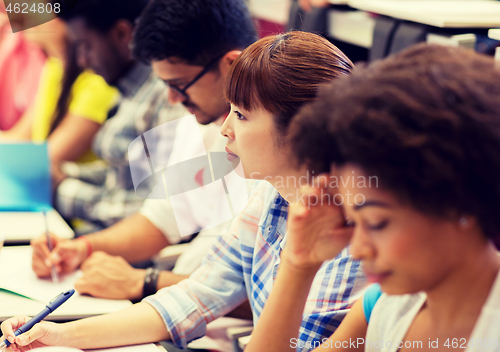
<point x="242" y="264"/>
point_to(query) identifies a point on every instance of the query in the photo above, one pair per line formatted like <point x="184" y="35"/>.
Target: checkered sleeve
<point x="94" y="172"/>
<point x="213" y="290"/>
<point x="337" y="285"/>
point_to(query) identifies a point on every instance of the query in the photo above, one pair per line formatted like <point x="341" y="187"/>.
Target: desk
<point x="385" y="27"/>
<point x="353" y="27"/>
<point x="494" y="34"/>
<point x="275" y="11"/>
<point x="437" y="13"/>
<point x="76" y="307"/>
<point x="137" y="348"/>
<point x="148" y="347"/>
<point x="21" y="227"/>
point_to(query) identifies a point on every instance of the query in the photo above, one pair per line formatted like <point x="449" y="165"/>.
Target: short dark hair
<point x="195" y="31"/>
<point x="426" y="122"/>
<point x="283" y="72"/>
<point x="102" y="15"/>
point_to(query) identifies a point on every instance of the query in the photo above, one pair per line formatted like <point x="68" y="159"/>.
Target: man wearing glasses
<point x="98" y="194"/>
<point x="203" y="115"/>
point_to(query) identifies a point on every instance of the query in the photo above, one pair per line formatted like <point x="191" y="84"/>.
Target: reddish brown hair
<point x="283" y="72"/>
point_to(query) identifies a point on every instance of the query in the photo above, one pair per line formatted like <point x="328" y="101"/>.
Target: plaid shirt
<point x="242" y="264"/>
<point x="104" y="194"/>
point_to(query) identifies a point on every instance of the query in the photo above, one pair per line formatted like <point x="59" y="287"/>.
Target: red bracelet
<point x="89" y="245"/>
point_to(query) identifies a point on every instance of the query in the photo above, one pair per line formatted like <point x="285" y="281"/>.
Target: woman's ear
<point x="227" y="60"/>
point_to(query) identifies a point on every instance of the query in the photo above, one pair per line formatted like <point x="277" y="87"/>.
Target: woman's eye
<point x="381" y="225"/>
<point x="239" y="115"/>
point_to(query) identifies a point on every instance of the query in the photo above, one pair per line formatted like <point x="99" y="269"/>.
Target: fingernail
<point x="47" y="262"/>
<point x="11" y="339"/>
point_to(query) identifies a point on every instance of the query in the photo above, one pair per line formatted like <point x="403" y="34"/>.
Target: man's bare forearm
<point x="134" y="238"/>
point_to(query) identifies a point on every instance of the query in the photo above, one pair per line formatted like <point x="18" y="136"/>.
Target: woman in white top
<point x="412" y="148"/>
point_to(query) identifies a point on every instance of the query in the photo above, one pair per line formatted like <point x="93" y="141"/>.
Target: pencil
<point x="53" y="270"/>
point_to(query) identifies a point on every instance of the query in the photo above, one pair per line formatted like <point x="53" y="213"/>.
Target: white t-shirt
<point x="196" y="198"/>
<point x="393" y="315"/>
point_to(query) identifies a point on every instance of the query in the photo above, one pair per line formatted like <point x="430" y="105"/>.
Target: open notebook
<point x="22" y="292"/>
<point x="25" y="191"/>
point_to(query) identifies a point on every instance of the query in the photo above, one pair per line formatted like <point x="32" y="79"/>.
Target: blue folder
<point x="25" y="183"/>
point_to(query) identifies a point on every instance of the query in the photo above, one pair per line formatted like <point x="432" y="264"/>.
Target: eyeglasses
<point x="182" y="92"/>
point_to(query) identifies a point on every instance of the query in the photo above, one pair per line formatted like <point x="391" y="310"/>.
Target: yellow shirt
<point x="91" y="98"/>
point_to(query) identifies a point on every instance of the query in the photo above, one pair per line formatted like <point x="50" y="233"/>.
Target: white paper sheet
<point x="17" y="276"/>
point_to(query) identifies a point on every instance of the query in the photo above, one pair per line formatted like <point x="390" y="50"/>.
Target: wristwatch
<point x="150" y="282"/>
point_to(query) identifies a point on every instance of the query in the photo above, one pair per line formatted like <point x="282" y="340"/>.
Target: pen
<point x="53" y="271"/>
<point x="51" y="307"/>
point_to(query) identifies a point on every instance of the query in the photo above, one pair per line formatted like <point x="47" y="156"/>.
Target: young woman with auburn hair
<point x="426" y="123"/>
<point x="266" y="86"/>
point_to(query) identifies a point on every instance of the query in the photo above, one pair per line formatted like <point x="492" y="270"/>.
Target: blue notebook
<point x="25" y="183"/>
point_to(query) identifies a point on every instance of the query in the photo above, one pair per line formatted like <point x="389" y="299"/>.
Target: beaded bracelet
<point x="89" y="245"/>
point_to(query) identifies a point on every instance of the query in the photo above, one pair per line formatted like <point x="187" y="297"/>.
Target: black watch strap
<point x="150" y="282"/>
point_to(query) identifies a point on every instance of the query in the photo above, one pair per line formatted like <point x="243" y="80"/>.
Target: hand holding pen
<point x="24" y="324"/>
<point x="53" y="269"/>
<point x="66" y="255"/>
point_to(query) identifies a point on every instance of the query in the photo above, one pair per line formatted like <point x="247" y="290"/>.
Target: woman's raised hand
<point x="317" y="230"/>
